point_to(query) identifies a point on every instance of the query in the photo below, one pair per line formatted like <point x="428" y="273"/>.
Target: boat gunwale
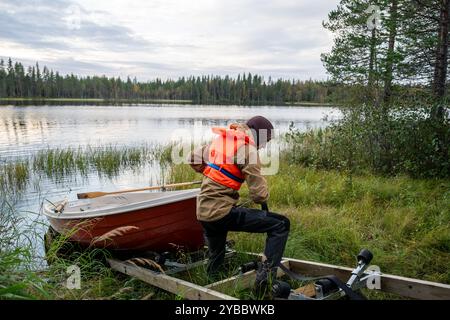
<point x="136" y="206"/>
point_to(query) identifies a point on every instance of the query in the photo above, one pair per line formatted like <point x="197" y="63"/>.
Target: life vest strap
<point x="225" y="172"/>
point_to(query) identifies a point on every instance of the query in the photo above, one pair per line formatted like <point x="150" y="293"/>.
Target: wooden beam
<point x="406" y="287"/>
<point x="242" y="281"/>
<point x="414" y="288"/>
<point x="177" y="286"/>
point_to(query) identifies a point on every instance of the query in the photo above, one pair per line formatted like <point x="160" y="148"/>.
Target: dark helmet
<point x="262" y="130"/>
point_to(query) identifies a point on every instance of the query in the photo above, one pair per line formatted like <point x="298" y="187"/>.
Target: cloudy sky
<point x="168" y="38"/>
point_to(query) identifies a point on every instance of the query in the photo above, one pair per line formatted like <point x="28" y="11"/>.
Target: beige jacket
<point x="215" y="200"/>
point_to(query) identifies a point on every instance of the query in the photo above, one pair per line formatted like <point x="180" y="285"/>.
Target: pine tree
<point x="10" y="80"/>
<point x="354" y="56"/>
<point x="3" y="77"/>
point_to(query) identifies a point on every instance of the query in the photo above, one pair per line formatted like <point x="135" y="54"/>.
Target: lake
<point x="24" y="130"/>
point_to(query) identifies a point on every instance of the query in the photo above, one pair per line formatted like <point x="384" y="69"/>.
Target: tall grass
<point x="14" y="175"/>
<point x="107" y="160"/>
<point x="19" y="278"/>
<point x="17" y="281"/>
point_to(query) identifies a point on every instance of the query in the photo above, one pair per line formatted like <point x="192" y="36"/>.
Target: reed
<point x="14" y="176"/>
<point x="58" y="163"/>
<point x="17" y="280"/>
<point x="109" y="160"/>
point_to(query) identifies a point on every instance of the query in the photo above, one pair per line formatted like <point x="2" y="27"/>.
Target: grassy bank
<point x="91" y="100"/>
<point x="403" y="221"/>
<point x="29" y="101"/>
<point x="311" y="104"/>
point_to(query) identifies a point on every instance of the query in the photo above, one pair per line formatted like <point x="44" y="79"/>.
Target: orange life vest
<point x="221" y="166"/>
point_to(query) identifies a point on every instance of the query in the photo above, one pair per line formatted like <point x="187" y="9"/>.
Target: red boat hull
<point x="167" y="227"/>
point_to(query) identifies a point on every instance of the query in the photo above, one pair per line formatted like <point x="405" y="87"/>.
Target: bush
<point x="401" y="140"/>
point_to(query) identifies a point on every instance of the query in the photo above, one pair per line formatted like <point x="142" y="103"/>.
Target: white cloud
<point x="170" y="38"/>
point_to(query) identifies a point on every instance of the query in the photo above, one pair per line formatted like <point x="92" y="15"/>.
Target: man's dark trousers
<point x="246" y="220"/>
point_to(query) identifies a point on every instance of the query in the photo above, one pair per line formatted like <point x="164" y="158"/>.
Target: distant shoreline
<point x="150" y="101"/>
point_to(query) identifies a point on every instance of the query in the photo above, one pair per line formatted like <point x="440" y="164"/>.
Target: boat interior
<point x="117" y="203"/>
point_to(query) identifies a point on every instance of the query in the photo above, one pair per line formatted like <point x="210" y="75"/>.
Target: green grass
<point x="94" y="100"/>
<point x="169" y="101"/>
<point x="311" y="104"/>
<point x="403" y="221"/>
<point x="52" y="99"/>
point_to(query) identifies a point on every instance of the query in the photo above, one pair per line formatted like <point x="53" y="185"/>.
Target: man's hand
<point x="264" y="206"/>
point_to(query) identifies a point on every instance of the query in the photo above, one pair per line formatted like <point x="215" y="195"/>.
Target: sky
<point x="169" y="38"/>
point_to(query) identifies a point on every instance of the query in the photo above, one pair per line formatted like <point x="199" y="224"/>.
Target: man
<point x="230" y="160"/>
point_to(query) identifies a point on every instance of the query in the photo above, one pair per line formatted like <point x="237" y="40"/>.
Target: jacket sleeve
<point x="197" y="158"/>
<point x="250" y="166"/>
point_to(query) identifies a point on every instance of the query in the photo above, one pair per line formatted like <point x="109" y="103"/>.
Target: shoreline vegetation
<point x="57" y="163"/>
<point x="403" y="220"/>
<point x="40" y="101"/>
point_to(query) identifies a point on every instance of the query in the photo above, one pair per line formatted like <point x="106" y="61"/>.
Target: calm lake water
<point x="24" y="130"/>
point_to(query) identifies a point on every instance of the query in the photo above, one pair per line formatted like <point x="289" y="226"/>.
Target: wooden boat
<point x="138" y="221"/>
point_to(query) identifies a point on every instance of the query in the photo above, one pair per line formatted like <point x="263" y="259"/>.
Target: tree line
<point x="40" y="83"/>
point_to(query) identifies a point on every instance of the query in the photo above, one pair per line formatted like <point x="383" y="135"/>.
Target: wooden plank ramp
<point x="174" y="285"/>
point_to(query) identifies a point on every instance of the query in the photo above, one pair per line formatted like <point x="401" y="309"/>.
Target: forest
<point x="18" y="81"/>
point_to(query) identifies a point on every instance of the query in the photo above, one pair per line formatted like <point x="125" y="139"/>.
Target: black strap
<point x="264" y="207"/>
<point x="348" y="291"/>
<point x="225" y="172"/>
<point x="296" y="276"/>
<point x="353" y="295"/>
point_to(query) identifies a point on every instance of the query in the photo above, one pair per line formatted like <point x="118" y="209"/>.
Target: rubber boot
<point x="265" y="276"/>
